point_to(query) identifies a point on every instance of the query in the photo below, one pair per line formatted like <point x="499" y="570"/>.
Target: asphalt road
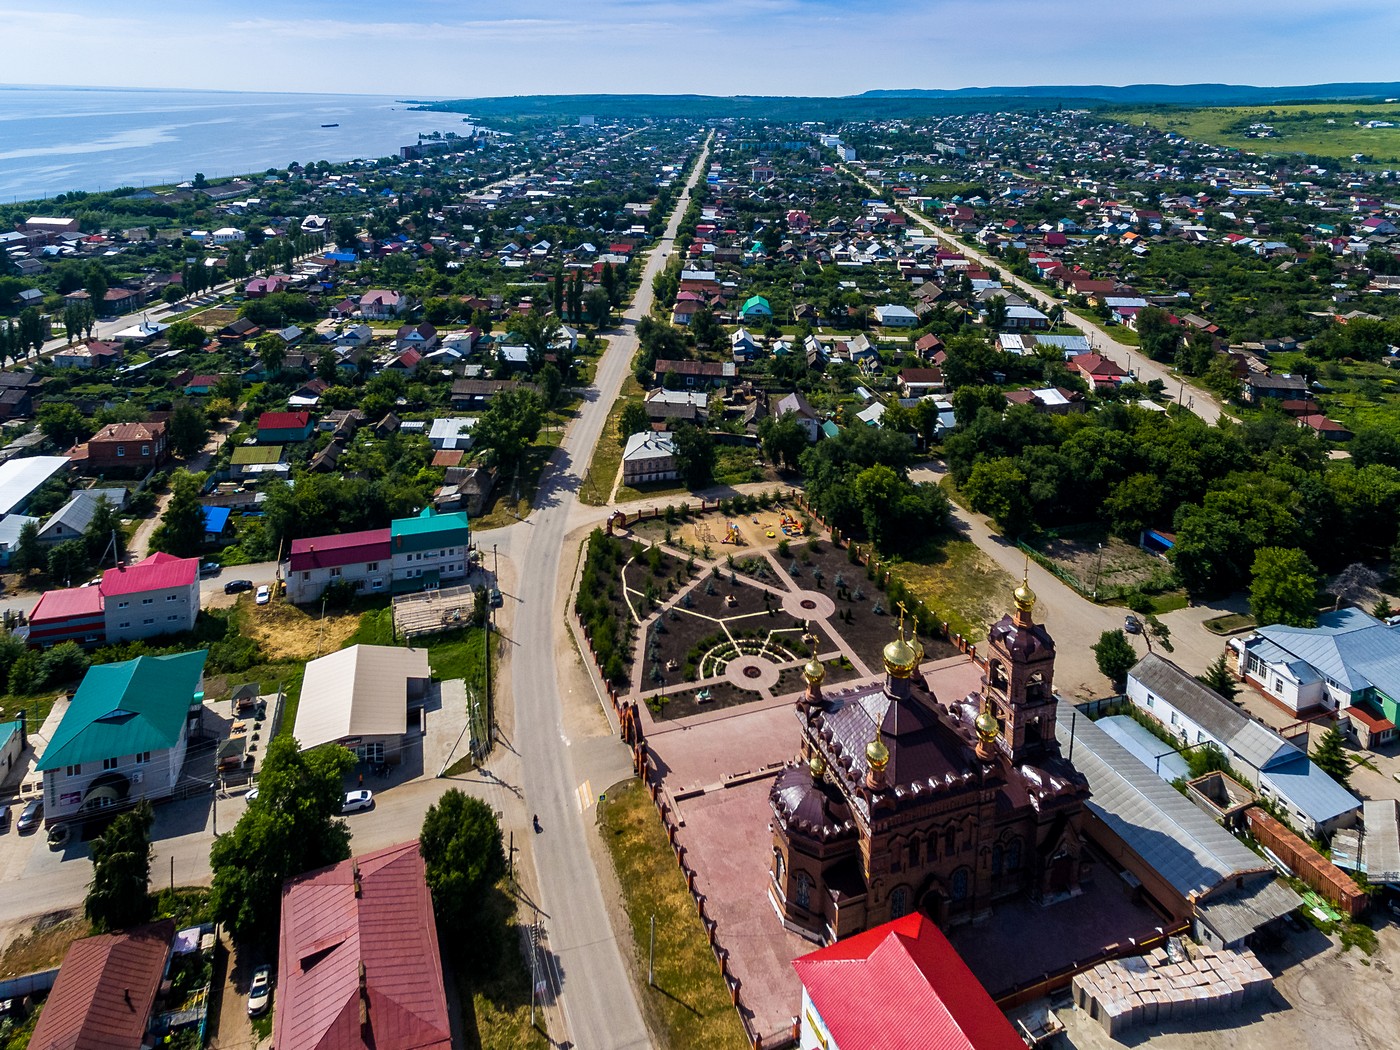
<point x="599" y="1004"/>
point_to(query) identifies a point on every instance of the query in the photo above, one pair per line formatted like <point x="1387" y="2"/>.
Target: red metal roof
<point x="159" y="572"/>
<point x="284" y="420"/>
<point x="901" y="986"/>
<point x="329" y="932"/>
<point x="349" y="548"/>
<point x="70" y="603"/>
<point x="105" y="989"/>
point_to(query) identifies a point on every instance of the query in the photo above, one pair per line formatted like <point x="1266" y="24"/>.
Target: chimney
<point x="359" y="890"/>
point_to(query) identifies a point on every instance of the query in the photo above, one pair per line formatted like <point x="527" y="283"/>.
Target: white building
<point x="649" y="457"/>
<point x="157" y="596"/>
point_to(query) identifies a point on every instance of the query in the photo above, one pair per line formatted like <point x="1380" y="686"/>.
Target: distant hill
<point x="895" y="103"/>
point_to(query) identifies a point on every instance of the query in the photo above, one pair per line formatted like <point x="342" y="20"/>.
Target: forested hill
<point x="911" y="102"/>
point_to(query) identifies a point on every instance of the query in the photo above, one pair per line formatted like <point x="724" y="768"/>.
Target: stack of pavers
<point x="1151" y="989"/>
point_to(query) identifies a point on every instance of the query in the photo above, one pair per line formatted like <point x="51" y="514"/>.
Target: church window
<point x="778" y="867"/>
<point x="802" y="890"/>
<point x="1013" y="855"/>
<point x="959" y="885"/>
<point x="998" y="859"/>
<point x="899" y="903"/>
<point x="914" y="853"/>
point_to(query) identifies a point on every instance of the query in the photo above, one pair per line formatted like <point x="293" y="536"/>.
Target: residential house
<point x="920" y="382"/>
<point x="257" y="461"/>
<point x="70" y="522"/>
<point x="1052" y="400"/>
<point x="663" y="405"/>
<point x="1101" y="373"/>
<point x="359" y="558"/>
<point x="1277" y="768"/>
<point x="11" y="525"/>
<point x="475" y="394"/>
<point x="95" y="353"/>
<point x="284" y="428"/>
<point x="67" y="614"/>
<point x="124" y="735"/>
<point x="1262" y="386"/>
<point x="137" y="447"/>
<point x="1023" y="318"/>
<point x="698" y="373"/>
<point x="465" y="488"/>
<point x="367" y="698"/>
<point x="649" y="457"/>
<point x="892" y="315"/>
<point x="802" y="411"/>
<point x="451" y="433"/>
<point x="429" y="550"/>
<point x="159" y="595"/>
<point x="755" y="306"/>
<point x="381" y="304"/>
<point x="106" y="991"/>
<point x="359" y="962"/>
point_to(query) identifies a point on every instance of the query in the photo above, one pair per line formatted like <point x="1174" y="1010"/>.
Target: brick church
<point x="902" y="802"/>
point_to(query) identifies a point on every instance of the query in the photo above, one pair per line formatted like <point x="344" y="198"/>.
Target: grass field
<point x="1359" y="393"/>
<point x="690" y="1004"/>
<point x="961" y="585"/>
<point x="607" y="454"/>
<point x="1327" y="129"/>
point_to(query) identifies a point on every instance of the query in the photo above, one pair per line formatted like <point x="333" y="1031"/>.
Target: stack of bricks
<point x="1151" y="989"/>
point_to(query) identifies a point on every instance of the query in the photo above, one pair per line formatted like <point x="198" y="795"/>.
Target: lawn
<point x="961" y="585"/>
<point x="607" y="454"/>
<point x="497" y="1007"/>
<point x="689" y="1006"/>
<point x="1327" y="129"/>
<point x="1359" y="393"/>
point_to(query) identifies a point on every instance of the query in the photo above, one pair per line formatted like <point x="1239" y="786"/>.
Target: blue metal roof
<point x="215" y="519"/>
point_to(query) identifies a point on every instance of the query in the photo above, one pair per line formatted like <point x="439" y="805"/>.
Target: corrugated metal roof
<point x="20" y="477"/>
<point x="1186" y="847"/>
<point x="1348" y="646"/>
<point x="357" y="692"/>
<point x="159" y="572"/>
<point x="1237" y="912"/>
<point x="126" y="708"/>
<point x="69" y="603"/>
<point x="902" y="986"/>
<point x="347" y="548"/>
<point x="1252" y="741"/>
<point x="105" y="990"/>
<point x="1380" y="848"/>
<point x="329" y="931"/>
<point x="1309" y="790"/>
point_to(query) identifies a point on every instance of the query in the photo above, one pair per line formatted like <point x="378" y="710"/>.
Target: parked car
<point x="251" y="795"/>
<point x="32" y="816"/>
<point x="1132" y="624"/>
<point x="238" y="586"/>
<point x="5" y="816"/>
<point x="264" y="595"/>
<point x="210" y="568"/>
<point x="260" y="991"/>
<point x="494" y="598"/>
<point x="357" y="800"/>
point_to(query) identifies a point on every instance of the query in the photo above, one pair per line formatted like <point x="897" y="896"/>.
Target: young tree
<point x="29" y="555"/>
<point x="462" y="851"/>
<point x="188" y="428"/>
<point x="632" y="420"/>
<point x="1115" y="656"/>
<point x="292" y="827"/>
<point x="105" y="524"/>
<point x="996" y="313"/>
<point x="1219" y="678"/>
<point x="185" y="335"/>
<point x="1284" y="588"/>
<point x="597" y="307"/>
<point x="68" y="562"/>
<point x="118" y="896"/>
<point x="181" y="529"/>
<point x="272" y="352"/>
<point x="1332" y="759"/>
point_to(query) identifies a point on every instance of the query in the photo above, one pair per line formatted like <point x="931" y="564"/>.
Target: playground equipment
<point x="732" y="535"/>
<point x="791" y="526"/>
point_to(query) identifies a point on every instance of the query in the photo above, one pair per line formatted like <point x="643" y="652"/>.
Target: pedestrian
<point x="362" y="780"/>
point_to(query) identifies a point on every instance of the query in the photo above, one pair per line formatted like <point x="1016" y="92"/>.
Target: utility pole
<point x="651" y="955"/>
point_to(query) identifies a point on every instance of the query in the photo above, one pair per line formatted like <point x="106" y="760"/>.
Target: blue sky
<point x="467" y="48"/>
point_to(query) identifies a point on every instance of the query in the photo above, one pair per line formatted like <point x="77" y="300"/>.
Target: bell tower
<point x="1020" y="679"/>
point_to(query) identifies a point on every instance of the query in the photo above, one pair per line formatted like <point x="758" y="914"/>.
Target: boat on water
<point x="330" y="125"/>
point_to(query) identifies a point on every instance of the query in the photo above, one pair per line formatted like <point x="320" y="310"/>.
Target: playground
<point x="760" y="529"/>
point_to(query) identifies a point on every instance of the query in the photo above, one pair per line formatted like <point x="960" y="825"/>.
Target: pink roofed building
<point x="73" y="614"/>
<point x="914" y="993"/>
<point x="359" y="965"/>
<point x="159" y="595"/>
<point x="361" y="558"/>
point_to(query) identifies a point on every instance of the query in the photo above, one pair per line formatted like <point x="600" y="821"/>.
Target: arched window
<point x="913" y="853"/>
<point x="899" y="902"/>
<point x="959" y="885"/>
<point x="998" y="858"/>
<point x="1013" y="855"/>
<point x="802" y="890"/>
<point x="778" y="867"/>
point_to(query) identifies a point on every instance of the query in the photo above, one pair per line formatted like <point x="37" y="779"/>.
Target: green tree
<point x="463" y="853"/>
<point x="118" y="896"/>
<point x="1157" y="335"/>
<point x="597" y="307"/>
<point x="1283" y="589"/>
<point x="181" y="528"/>
<point x="1134" y="503"/>
<point x="326" y="367"/>
<point x="996" y="313"/>
<point x="292" y="827"/>
<point x="633" y="419"/>
<point x="63" y="424"/>
<point x="188" y="428"/>
<point x="539" y="332"/>
<point x="784" y="439"/>
<point x="998" y="489"/>
<point x="509" y="426"/>
<point x="1331" y="757"/>
<point x="704" y="327"/>
<point x="105" y="523"/>
<point x="29" y="555"/>
<point x="185" y="335"/>
<point x="272" y="353"/>
<point x="1115" y="657"/>
<point x="695" y="455"/>
<point x="96" y="284"/>
<point x="1219" y="678"/>
<point x="68" y="562"/>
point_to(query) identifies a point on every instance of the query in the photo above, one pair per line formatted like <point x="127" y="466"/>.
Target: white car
<point x="264" y="595"/>
<point x="260" y="992"/>
<point x="357" y="800"/>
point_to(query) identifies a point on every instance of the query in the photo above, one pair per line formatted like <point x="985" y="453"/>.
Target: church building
<point x="901" y="802"/>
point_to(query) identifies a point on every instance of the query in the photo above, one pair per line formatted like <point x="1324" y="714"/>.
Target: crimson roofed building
<point x="359" y="964"/>
<point x="362" y="558"/>
<point x="900" y="986"/>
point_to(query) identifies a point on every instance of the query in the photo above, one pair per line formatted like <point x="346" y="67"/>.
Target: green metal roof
<point x="245" y="455"/>
<point x="126" y="708"/>
<point x="754" y="300"/>
<point x="429" y="530"/>
<point x="7" y="730"/>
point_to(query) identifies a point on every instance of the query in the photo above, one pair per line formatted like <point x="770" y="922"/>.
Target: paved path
<point x="599" y="1003"/>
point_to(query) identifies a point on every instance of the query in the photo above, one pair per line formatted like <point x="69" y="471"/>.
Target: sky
<point x="468" y="48"/>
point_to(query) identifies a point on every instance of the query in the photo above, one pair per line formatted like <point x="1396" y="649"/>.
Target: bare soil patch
<point x="45" y="945"/>
<point x="1104" y="563"/>
<point x="287" y="633"/>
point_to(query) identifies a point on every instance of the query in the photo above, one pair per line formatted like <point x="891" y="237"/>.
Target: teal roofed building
<point x="756" y="306"/>
<point x="124" y="735"/>
<point x="429" y="550"/>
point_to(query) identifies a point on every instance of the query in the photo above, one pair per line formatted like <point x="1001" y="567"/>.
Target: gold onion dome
<point x="815" y="671"/>
<point x="901" y="657"/>
<point x="817" y="765"/>
<point x="1025" y="597"/>
<point x="986" y="725"/>
<point x="877" y="754"/>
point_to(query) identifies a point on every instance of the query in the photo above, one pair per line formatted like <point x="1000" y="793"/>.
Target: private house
<point x="381" y="304"/>
<point x="94" y="353"/>
<point x="1277" y="768"/>
<point x="692" y="406"/>
<point x="894" y="316"/>
<point x="755" y="306"/>
<point x="915" y="993"/>
<point x="71" y="521"/>
<point x="360" y="558"/>
<point x="919" y="382"/>
<point x="428" y="550"/>
<point x="1098" y="371"/>
<point x="256" y="461"/>
<point x="284" y="428"/>
<point x="367" y="698"/>
<point x="10" y="527"/>
<point x="136" y="447"/>
<point x="649" y="457"/>
<point x="1258" y="387"/>
<point x="106" y="991"/>
<point x="475" y="394"/>
<point x="1022" y="318"/>
<point x="123" y="736"/>
<point x="697" y="373"/>
<point x="1190" y="866"/>
<point x="451" y="433"/>
<point x="1349" y="662"/>
<point x="159" y="595"/>
<point x="216" y="522"/>
<point x="359" y="957"/>
<point x="1051" y="400"/>
<point x="804" y="413"/>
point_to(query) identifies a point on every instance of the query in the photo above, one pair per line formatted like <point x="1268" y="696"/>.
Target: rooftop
<point x="359" y="691"/>
<point x="20" y="477"/>
<point x="159" y="572"/>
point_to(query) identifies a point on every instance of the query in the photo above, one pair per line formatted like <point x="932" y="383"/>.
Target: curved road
<point x="599" y="1004"/>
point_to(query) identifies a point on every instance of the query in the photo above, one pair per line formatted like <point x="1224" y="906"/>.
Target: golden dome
<point x="1025" y="597"/>
<point x="877" y="754"/>
<point x="986" y="725"/>
<point x="817" y="765"/>
<point x="814" y="672"/>
<point x="902" y="656"/>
